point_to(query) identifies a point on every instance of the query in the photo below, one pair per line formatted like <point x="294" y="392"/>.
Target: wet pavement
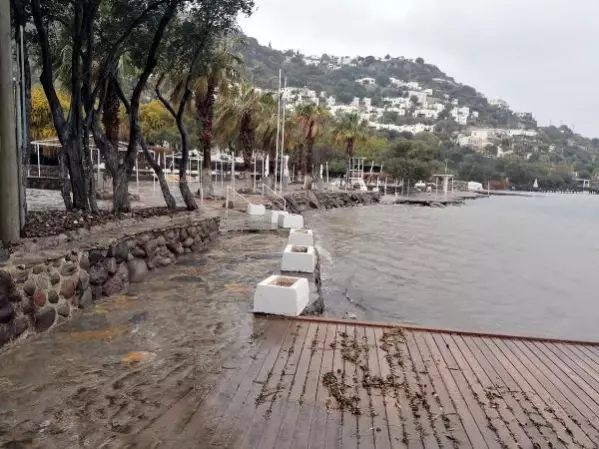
<point x="140" y="361"/>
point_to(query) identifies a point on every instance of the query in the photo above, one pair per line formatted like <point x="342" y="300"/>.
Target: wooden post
<point x="9" y="178"/>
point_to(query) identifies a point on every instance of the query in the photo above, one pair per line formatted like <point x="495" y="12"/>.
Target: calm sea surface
<point x="515" y="264"/>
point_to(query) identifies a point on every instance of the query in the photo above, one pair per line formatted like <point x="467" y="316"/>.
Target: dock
<point x="329" y="383"/>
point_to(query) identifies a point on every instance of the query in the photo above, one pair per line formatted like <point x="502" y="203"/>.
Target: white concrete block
<point x="291" y="221"/>
<point x="301" y="237"/>
<point x="282" y="295"/>
<point x="256" y="209"/>
<point x="300" y="259"/>
<point x="273" y="215"/>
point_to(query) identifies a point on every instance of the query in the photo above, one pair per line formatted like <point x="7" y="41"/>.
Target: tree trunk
<point x="205" y="114"/>
<point x="65" y="189"/>
<point x="301" y="166"/>
<point x="246" y="136"/>
<point x="120" y="191"/>
<point x="308" y="179"/>
<point x="110" y="114"/>
<point x="166" y="191"/>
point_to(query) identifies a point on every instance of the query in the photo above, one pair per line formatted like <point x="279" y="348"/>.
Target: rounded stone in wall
<point x="20" y="325"/>
<point x="85" y="300"/>
<point x="38" y="269"/>
<point x="44" y="319"/>
<point x="84" y="262"/>
<point x="68" y="269"/>
<point x="21" y="276"/>
<point x="41" y="282"/>
<point x="111" y="265"/>
<point x="29" y="287"/>
<point x="83" y="282"/>
<point x="67" y="289"/>
<point x="7" y="313"/>
<point x="64" y="309"/>
<point x="53" y="297"/>
<point x="39" y="298"/>
<point x="54" y="277"/>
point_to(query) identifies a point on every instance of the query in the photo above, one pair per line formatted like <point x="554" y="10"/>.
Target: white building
<point x="461" y="115"/>
<point x="522" y="132"/>
<point x="426" y="113"/>
<point x="355" y="103"/>
<point x="499" y="103"/>
<point x="396" y="101"/>
<point x="420" y="95"/>
<point x="312" y="60"/>
<point x="367" y="103"/>
<point x="367" y="81"/>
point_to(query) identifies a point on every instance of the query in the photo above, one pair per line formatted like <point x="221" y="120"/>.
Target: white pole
<point x="233" y="171"/>
<point x="255" y="172"/>
<point x="278" y="129"/>
<point x="327" y="164"/>
<point x="137" y="172"/>
<point x="39" y="168"/>
<point x="283" y="139"/>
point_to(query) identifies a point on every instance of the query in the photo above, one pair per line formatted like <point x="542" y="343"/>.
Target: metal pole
<point x="39" y="168"/>
<point x="283" y="139"/>
<point x="9" y="182"/>
<point x="278" y="129"/>
<point x="255" y="172"/>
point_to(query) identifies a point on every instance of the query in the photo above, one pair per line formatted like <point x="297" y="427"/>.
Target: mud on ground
<point x="138" y="359"/>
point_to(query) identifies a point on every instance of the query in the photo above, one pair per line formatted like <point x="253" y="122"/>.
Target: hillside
<point x="326" y="74"/>
<point x="488" y="127"/>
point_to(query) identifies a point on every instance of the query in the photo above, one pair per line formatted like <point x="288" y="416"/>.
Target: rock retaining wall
<point x="35" y="297"/>
<point x="298" y="202"/>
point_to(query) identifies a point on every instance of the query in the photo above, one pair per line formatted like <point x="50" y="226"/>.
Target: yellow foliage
<point x="42" y="126"/>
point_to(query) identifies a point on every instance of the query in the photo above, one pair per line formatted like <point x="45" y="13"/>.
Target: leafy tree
<point x="238" y="116"/>
<point x="310" y="118"/>
<point x="419" y="61"/>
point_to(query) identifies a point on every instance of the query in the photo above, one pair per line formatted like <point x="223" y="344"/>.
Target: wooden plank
<point x="395" y="424"/>
<point x="290" y="418"/>
<point x="507" y="374"/>
<point x="318" y="426"/>
<point x="462" y="392"/>
<point x="418" y="402"/>
<point x="364" y="421"/>
<point x="584" y="354"/>
<point x="376" y="395"/>
<point x="510" y="410"/>
<point x="279" y="401"/>
<point x="454" y="424"/>
<point x="470" y="425"/>
<point x="546" y="417"/>
<point x="576" y="373"/>
<point x="457" y="353"/>
<point x="334" y="424"/>
<point x="236" y="422"/>
<point x="574" y="415"/>
<point x="344" y="336"/>
<point x="208" y="419"/>
<point x="442" y="432"/>
<point x="579" y="357"/>
<point x="307" y="399"/>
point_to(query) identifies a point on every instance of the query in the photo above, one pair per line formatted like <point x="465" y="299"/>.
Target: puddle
<point x="187" y="278"/>
<point x="107" y="334"/>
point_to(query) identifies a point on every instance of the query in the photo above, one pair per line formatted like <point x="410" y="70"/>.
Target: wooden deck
<point x="332" y="384"/>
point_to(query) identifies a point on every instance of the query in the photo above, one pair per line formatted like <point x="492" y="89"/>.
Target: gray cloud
<point x="539" y="55"/>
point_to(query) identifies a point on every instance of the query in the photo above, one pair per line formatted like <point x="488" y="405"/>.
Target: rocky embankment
<point x="298" y="202"/>
<point x="38" y="292"/>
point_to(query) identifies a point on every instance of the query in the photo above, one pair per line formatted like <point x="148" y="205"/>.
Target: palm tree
<point x="309" y="117"/>
<point x="237" y="120"/>
<point x="223" y="69"/>
<point x="348" y="131"/>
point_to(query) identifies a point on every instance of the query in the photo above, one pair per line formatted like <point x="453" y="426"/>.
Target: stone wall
<point x="298" y="202"/>
<point x="35" y="297"/>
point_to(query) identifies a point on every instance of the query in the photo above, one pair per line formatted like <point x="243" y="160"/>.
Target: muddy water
<point x="119" y="369"/>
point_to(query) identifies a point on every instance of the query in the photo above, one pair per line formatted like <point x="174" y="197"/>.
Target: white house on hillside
<point x="367" y="81"/>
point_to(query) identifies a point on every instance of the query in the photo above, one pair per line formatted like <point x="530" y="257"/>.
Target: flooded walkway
<point x="180" y="362"/>
<point x="138" y="362"/>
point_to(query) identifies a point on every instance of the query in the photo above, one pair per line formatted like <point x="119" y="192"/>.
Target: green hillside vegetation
<point x="553" y="156"/>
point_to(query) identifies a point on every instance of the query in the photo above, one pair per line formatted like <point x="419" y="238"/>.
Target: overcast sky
<point x="541" y="56"/>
